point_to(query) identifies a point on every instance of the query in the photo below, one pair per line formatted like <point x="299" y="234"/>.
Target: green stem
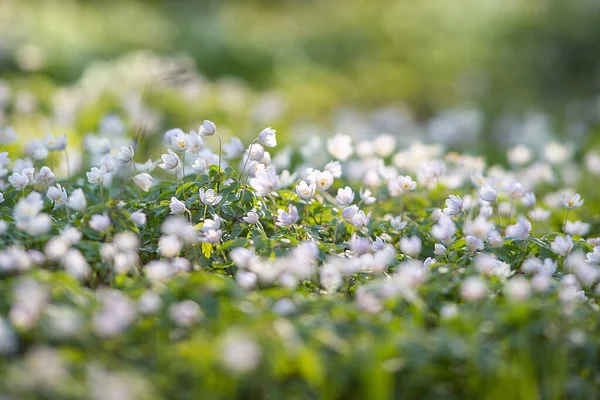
<point x="565" y="223"/>
<point x="247" y="159"/>
<point x="220" y="151"/>
<point x="67" y="161"/>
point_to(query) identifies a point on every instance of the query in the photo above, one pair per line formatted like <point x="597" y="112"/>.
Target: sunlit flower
<point x="304" y="190"/>
<point x="125" y="154"/>
<point x="267" y="137"/>
<point x="209" y="197"/>
<point x="520" y="230"/>
<point x="340" y="146"/>
<point x="344" y="196"/>
<point x="143" y="181"/>
<point x="488" y="193"/>
<point x="208" y="128"/>
<point x="170" y="161"/>
<point x="287" y="218"/>
<point x="454" y="205"/>
<point x="572" y="202"/>
<point x="177" y="207"/>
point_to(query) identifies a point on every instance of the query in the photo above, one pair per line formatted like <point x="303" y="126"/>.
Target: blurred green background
<point x="509" y="60"/>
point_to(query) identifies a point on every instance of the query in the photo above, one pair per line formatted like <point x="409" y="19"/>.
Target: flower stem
<point x="220" y="151"/>
<point x="67" y="161"/>
<point x="565" y="222"/>
<point x="247" y="159"/>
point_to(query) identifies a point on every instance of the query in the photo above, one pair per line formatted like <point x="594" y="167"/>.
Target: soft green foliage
<point x="318" y="317"/>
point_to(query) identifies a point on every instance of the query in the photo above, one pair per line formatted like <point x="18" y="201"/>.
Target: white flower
<point x="520" y="230"/>
<point x="410" y="245"/>
<point x="185" y="313"/>
<point x="539" y="214"/>
<point x="179" y="141"/>
<point x="18" y="181"/>
<point x="1" y="198"/>
<point x="177" y="206"/>
<point x="211" y="224"/>
<point x="212" y="236"/>
<point x="170" y="161"/>
<point x="355" y="216"/>
<point x="378" y="244"/>
<point x="335" y="168"/>
<point x="454" y="205"/>
<point x="209" y="197"/>
<point x="520" y="155"/>
<point x="516" y="190"/>
<point x="267" y="137"/>
<point x="254" y="152"/>
<point x="528" y="199"/>
<point x="359" y="245"/>
<point x="55" y="143"/>
<point x="99" y="222"/>
<point x="233" y="148"/>
<point x="572" y="202"/>
<point x="401" y="185"/>
<point x="323" y="180"/>
<point x="242" y="257"/>
<point x="251" y="217"/>
<point x="125" y="154"/>
<point x="194" y="142"/>
<point x="340" y="146"/>
<point x="287" y="218"/>
<point x="518" y="289"/>
<point x="169" y="246"/>
<point x="495" y="239"/>
<point x="439" y="249"/>
<point x="304" y="190"/>
<point x="143" y="181"/>
<point x="246" y="279"/>
<point x="77" y="200"/>
<point x="562" y="245"/>
<point x="444" y="230"/>
<point x="488" y="193"/>
<point x="199" y="165"/>
<point x="240" y="353"/>
<point x="58" y="195"/>
<point x="593" y="257"/>
<point x="208" y="128"/>
<point x="96" y="175"/>
<point x="265" y="181"/>
<point x="474" y="243"/>
<point x="473" y="288"/>
<point x="149" y="303"/>
<point x="577" y="228"/>
<point x="109" y="162"/>
<point x="96" y="144"/>
<point x="367" y="197"/>
<point x="480" y="227"/>
<point x="7" y="136"/>
<point x="75" y="264"/>
<point x="138" y="218"/>
<point x="330" y="277"/>
<point x="557" y="153"/>
<point x="45" y="176"/>
<point x="397" y="223"/>
<point x="344" y="196"/>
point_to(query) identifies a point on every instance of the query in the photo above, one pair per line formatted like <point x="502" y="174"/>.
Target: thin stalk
<point x="67" y="161"/>
<point x="565" y="222"/>
<point x="247" y="159"/>
<point x="220" y="151"/>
